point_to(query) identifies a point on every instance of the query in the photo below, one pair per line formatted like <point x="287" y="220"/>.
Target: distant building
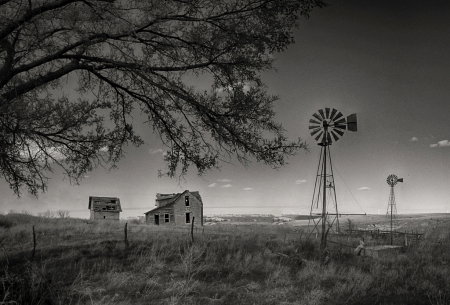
<point x="104" y="208"/>
<point x="176" y="209"/>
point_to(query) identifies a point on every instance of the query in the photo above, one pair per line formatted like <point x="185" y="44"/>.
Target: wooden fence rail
<point x="410" y="235"/>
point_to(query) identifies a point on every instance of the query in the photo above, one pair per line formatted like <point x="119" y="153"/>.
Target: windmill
<point x="392" y="181"/>
<point x="325" y="126"/>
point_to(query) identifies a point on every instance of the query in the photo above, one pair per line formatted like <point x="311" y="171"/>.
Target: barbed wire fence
<point x="38" y="237"/>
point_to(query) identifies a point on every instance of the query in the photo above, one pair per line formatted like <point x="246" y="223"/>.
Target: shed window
<point x="166" y="217"/>
<point x="186" y="200"/>
<point x="188" y="217"/>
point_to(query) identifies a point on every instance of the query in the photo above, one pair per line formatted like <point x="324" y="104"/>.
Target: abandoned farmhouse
<point x="104" y="208"/>
<point x="176" y="209"/>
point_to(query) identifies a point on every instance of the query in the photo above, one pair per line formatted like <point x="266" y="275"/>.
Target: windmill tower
<point x="324" y="126"/>
<point x="392" y="181"/>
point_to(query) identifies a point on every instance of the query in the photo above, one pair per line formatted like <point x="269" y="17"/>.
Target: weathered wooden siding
<point x="107" y="208"/>
<point x="177" y="211"/>
<point x="105" y="215"/>
<point x="195" y="209"/>
<point x="150" y="217"/>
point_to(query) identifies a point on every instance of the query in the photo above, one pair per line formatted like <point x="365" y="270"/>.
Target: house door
<point x="156" y="219"/>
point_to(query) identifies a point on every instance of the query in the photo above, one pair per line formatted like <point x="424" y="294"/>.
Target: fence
<point x="379" y="234"/>
<point x="41" y="236"/>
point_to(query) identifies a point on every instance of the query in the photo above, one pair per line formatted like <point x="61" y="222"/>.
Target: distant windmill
<point x="324" y="126"/>
<point x="392" y="181"/>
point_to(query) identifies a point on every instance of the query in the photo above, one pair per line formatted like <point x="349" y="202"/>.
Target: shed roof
<point x="106" y="200"/>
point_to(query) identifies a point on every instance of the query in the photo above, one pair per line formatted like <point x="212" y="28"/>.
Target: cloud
<point x="364" y="188"/>
<point x="300" y="181"/>
<point x="414" y="139"/>
<point x="155" y="151"/>
<point x="227" y="185"/>
<point x="223" y="180"/>
<point x="212" y="185"/>
<point x="247" y="189"/>
<point x="443" y="143"/>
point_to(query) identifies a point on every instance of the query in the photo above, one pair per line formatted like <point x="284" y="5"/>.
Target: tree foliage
<point x="138" y="55"/>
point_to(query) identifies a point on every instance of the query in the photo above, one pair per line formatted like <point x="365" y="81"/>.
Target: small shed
<point x="107" y="208"/>
<point x="176" y="209"/>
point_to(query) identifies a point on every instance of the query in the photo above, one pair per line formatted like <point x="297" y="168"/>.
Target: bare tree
<point x="63" y="214"/>
<point x="47" y="214"/>
<point x="143" y="55"/>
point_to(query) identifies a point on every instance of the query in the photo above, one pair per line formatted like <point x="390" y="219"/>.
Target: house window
<point x="166" y="217"/>
<point x="188" y="217"/>
<point x="186" y="200"/>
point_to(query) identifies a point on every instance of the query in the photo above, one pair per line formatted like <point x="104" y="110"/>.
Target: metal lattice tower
<point x="392" y="209"/>
<point x="324" y="125"/>
<point x="325" y="185"/>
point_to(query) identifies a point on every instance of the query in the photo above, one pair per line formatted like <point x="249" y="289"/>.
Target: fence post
<point x="34" y="244"/>
<point x="192" y="229"/>
<point x="126" y="237"/>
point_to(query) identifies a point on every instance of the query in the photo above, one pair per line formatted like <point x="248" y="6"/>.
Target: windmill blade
<point x="339" y="122"/>
<point x="314" y="127"/>
<point x="335" y="136"/>
<point x="322" y="114"/>
<point x="314" y="121"/>
<point x="318" y="136"/>
<point x="317" y="116"/>
<point x="351" y="122"/>
<point x="333" y="113"/>
<point x="338" y="116"/>
<point x="327" y="112"/>
<point x="315" y="131"/>
<point x="339" y="132"/>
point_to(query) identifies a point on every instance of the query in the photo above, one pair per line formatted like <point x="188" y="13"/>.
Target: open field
<point x="81" y="262"/>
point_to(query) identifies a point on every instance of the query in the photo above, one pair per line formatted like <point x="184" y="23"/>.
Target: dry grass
<point x="78" y="262"/>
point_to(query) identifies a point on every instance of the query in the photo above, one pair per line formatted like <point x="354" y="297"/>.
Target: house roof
<point x="105" y="200"/>
<point x="171" y="200"/>
<point x="167" y="198"/>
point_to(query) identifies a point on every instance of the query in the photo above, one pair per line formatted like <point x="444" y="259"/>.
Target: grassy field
<point x="81" y="262"/>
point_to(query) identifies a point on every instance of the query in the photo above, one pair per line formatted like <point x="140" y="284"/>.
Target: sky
<point x="386" y="61"/>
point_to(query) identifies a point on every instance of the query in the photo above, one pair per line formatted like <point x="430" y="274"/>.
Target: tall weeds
<point x="88" y="263"/>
